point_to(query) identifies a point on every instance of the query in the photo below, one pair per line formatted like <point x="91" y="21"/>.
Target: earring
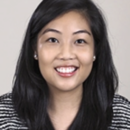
<point x="94" y="58"/>
<point x="35" y="56"/>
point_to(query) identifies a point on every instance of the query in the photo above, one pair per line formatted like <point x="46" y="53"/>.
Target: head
<point x="75" y="16"/>
<point x="65" y="42"/>
<point x="64" y="33"/>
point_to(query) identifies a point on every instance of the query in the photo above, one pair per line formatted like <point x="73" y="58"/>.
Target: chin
<point x="68" y="88"/>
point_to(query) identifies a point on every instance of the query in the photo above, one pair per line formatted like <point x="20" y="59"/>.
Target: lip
<point x="67" y="75"/>
<point x="66" y="66"/>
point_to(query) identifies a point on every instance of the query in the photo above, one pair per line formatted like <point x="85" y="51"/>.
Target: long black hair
<point x="30" y="91"/>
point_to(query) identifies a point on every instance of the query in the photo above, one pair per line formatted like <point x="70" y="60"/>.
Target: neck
<point x="63" y="107"/>
<point x="65" y="101"/>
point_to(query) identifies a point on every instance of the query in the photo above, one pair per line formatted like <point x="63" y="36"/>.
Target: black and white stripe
<point x="121" y="114"/>
<point x="9" y="119"/>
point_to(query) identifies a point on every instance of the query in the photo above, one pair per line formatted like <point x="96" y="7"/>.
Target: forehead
<point x="72" y="20"/>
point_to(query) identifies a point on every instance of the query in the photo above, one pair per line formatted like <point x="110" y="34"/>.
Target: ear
<point x="35" y="55"/>
<point x="94" y="58"/>
<point x="34" y="47"/>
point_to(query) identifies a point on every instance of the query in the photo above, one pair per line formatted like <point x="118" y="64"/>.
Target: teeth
<point x="66" y="70"/>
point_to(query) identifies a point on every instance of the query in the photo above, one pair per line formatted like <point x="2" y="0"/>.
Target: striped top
<point x="9" y="119"/>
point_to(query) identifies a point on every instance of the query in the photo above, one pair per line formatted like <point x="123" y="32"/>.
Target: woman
<point x="65" y="78"/>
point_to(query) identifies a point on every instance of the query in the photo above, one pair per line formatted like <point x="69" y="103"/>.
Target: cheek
<point x="45" y="54"/>
<point x="45" y="58"/>
<point x="86" y="58"/>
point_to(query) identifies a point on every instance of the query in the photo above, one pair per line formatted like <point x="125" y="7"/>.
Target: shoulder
<point x="121" y="106"/>
<point x="121" y="113"/>
<point x="5" y="97"/>
<point x="5" y="102"/>
<point x="8" y="117"/>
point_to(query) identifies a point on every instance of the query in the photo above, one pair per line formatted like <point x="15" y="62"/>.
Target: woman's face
<point x="63" y="45"/>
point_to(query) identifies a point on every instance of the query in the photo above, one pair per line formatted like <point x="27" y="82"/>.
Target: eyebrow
<point x="56" y="31"/>
<point x="82" y="31"/>
<point x="51" y="30"/>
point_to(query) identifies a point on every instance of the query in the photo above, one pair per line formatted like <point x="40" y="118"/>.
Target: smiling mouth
<point x="66" y="70"/>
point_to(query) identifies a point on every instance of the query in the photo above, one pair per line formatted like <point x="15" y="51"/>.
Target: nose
<point x="67" y="52"/>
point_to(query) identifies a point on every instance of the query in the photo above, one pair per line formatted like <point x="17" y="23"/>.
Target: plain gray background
<point x="14" y="17"/>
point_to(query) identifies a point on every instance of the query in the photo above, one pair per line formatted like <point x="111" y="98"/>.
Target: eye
<point x="79" y="41"/>
<point x="52" y="40"/>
